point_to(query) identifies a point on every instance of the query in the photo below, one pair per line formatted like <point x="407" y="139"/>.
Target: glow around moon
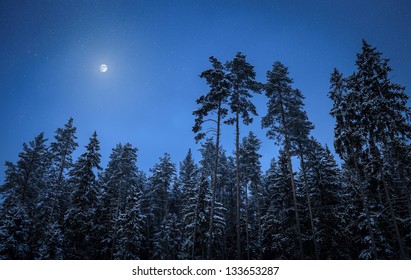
<point x="103" y="68"/>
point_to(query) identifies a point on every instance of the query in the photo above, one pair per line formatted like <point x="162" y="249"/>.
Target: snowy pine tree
<point x="189" y="176"/>
<point x="156" y="199"/>
<point x="213" y="103"/>
<point x="241" y="75"/>
<point x="24" y="182"/>
<point x="55" y="196"/>
<point x="120" y="183"/>
<point x="279" y="231"/>
<point x="80" y="219"/>
<point x="250" y="177"/>
<point x="161" y="182"/>
<point x="329" y="201"/>
<point x="283" y="122"/>
<point x="167" y="239"/>
<point x="130" y="222"/>
<point x="227" y="182"/>
<point x="372" y="124"/>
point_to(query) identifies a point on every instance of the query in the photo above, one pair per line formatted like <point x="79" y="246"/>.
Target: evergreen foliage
<point x="305" y="206"/>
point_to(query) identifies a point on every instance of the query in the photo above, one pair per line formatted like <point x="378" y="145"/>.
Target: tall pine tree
<point x="211" y="103"/>
<point x="284" y="104"/>
<point x="241" y="75"/>
<point x="55" y="195"/>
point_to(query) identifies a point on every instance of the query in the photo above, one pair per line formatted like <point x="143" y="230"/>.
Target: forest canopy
<point x="225" y="206"/>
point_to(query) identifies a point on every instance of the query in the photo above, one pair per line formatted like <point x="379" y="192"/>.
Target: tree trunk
<point x="290" y="166"/>
<point x="260" y="234"/>
<point x="56" y="196"/>
<point x="237" y="160"/>
<point x="115" y="218"/>
<point x="297" y="219"/>
<point x="364" y="202"/>
<point x="375" y="153"/>
<point x="394" y="219"/>
<point x="313" y="229"/>
<point x="193" y="249"/>
<point x="246" y="223"/>
<point x="213" y="194"/>
<point x="403" y="181"/>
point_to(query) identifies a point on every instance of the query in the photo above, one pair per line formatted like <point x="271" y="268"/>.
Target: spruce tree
<point x="80" y="219"/>
<point x="188" y="176"/>
<point x="61" y="151"/>
<point x="167" y="239"/>
<point x="228" y="199"/>
<point x="56" y="195"/>
<point x="328" y="201"/>
<point x="250" y="177"/>
<point x="279" y="230"/>
<point x="157" y="198"/>
<point x="23" y="185"/>
<point x="129" y="230"/>
<point x="119" y="184"/>
<point x="372" y="125"/>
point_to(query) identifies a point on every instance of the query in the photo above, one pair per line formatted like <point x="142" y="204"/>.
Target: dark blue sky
<point x="51" y="52"/>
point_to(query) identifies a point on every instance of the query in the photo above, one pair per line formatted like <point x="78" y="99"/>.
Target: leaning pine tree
<point x="283" y="106"/>
<point x="300" y="128"/>
<point x="54" y="202"/>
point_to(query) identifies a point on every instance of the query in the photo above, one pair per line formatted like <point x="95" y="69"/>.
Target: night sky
<point x="51" y="52"/>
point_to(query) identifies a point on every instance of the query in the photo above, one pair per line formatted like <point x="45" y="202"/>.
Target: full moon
<point x="103" y="68"/>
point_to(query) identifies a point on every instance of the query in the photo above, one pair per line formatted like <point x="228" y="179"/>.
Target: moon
<point x="103" y="68"/>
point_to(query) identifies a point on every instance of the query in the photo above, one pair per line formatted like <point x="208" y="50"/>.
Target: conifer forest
<point x="309" y="203"/>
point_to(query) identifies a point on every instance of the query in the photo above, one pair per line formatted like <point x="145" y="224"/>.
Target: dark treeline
<point x="226" y="207"/>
